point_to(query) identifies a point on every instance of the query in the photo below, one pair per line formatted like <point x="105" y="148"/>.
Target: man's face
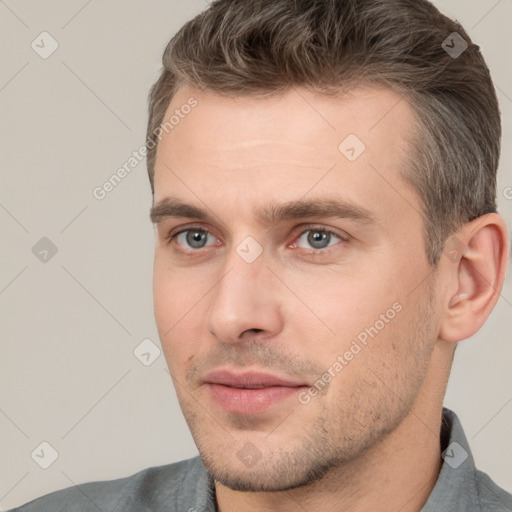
<point x="296" y="342"/>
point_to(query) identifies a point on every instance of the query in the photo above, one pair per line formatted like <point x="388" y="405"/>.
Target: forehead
<point x="249" y="150"/>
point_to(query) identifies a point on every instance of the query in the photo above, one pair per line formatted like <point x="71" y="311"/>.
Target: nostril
<point x="254" y="330"/>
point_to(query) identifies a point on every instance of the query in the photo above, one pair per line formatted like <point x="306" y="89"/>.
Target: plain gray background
<point x="70" y="324"/>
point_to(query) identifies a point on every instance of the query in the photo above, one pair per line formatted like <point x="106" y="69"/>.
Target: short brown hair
<point x="265" y="47"/>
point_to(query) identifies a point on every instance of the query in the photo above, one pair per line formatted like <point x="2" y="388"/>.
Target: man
<point x="324" y="180"/>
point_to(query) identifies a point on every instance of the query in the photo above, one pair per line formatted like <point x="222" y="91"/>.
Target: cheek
<point x="178" y="314"/>
<point x="164" y="300"/>
<point x="338" y="305"/>
<point x="352" y="321"/>
<point x="176" y="292"/>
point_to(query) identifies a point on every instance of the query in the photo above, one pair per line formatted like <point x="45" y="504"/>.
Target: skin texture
<point x="370" y="438"/>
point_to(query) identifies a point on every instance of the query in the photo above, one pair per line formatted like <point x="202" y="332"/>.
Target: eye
<point x="317" y="239"/>
<point x="194" y="238"/>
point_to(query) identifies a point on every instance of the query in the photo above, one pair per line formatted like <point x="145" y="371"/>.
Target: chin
<point x="278" y="473"/>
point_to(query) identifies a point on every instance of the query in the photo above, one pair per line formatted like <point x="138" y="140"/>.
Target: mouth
<point x="250" y="392"/>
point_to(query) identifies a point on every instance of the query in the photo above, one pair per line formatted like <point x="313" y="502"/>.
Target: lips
<point x="250" y="392"/>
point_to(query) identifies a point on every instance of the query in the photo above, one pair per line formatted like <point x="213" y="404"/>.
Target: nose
<point x="245" y="303"/>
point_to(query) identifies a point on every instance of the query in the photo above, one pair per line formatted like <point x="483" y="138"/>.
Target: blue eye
<point x="317" y="239"/>
<point x="194" y="238"/>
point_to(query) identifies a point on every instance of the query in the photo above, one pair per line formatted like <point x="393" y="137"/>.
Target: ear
<point x="475" y="264"/>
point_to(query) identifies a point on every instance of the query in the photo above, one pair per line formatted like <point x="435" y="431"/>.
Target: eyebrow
<point x="271" y="214"/>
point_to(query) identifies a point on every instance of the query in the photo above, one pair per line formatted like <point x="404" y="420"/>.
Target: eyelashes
<point x="313" y="238"/>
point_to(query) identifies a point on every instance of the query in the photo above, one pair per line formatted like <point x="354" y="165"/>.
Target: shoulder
<point x="460" y="485"/>
<point x="492" y="497"/>
<point x="148" y="489"/>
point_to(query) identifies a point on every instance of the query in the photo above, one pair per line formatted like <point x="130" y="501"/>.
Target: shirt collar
<point x="456" y="487"/>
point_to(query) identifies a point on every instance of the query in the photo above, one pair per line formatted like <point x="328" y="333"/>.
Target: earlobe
<point x="476" y="273"/>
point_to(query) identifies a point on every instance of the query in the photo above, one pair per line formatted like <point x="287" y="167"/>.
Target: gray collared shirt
<point x="186" y="486"/>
